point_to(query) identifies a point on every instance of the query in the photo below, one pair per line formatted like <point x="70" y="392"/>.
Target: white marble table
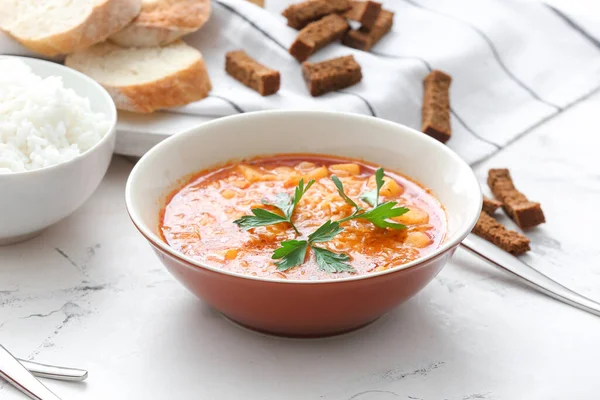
<point x="90" y="293"/>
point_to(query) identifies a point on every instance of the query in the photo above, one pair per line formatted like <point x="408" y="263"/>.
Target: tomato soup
<point x="198" y="219"/>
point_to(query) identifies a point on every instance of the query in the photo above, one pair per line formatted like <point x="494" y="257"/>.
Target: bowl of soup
<point x="303" y="223"/>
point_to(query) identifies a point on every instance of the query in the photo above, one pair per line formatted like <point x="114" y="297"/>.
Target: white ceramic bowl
<point x="32" y="201"/>
<point x="312" y="308"/>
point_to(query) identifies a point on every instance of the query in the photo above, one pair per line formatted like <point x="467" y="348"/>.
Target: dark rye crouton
<point x="494" y="232"/>
<point x="490" y="205"/>
<point x="256" y="76"/>
<point x="436" y="106"/>
<point x="364" y="38"/>
<point x="525" y="213"/>
<point x="301" y="14"/>
<point x="331" y="75"/>
<point x="365" y="12"/>
<point x="317" y="35"/>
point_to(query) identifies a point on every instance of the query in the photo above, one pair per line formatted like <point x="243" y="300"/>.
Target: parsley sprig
<point x="380" y="213"/>
<point x="283" y="202"/>
<point x="293" y="252"/>
<point x="372" y="197"/>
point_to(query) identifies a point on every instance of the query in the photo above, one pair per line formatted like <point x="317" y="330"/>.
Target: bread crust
<point x="260" y="3"/>
<point x="186" y="86"/>
<point x="105" y="19"/>
<point x="163" y="22"/>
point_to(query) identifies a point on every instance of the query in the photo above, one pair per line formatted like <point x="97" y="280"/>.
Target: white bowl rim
<point x="445" y="247"/>
<point x="106" y="137"/>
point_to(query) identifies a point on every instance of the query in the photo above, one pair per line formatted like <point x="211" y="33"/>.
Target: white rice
<point x="42" y="123"/>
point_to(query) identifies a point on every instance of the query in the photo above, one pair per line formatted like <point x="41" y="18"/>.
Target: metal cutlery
<point x="20" y="373"/>
<point x="15" y="373"/>
<point x="528" y="275"/>
<point x="54" y="372"/>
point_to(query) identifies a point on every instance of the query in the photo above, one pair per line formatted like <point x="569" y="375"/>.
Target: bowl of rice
<point x="57" y="136"/>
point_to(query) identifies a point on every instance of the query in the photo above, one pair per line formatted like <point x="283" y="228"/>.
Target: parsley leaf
<point x="378" y="216"/>
<point x="331" y="262"/>
<point x="372" y="197"/>
<point x="261" y="217"/>
<point x="298" y="193"/>
<point x="340" y="189"/>
<point x="283" y="202"/>
<point x="325" y="232"/>
<point x="290" y="254"/>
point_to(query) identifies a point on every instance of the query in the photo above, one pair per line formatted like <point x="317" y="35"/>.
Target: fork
<point x="15" y="373"/>
<point x="54" y="372"/>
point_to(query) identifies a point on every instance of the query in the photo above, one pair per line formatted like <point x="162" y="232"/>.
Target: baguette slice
<point x="260" y="3"/>
<point x="145" y="79"/>
<point x="162" y="22"/>
<point x="54" y="27"/>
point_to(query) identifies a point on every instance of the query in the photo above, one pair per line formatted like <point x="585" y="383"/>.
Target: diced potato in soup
<point x="317" y="173"/>
<point x="391" y="188"/>
<point x="418" y="240"/>
<point x="414" y="216"/>
<point x="345" y="169"/>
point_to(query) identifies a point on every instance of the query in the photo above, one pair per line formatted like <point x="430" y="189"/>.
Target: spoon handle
<point x="529" y="275"/>
<point x="19" y="377"/>
<point x="54" y="372"/>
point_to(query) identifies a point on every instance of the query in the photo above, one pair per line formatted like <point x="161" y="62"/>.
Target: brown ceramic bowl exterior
<point x="303" y="310"/>
<point x="294" y="307"/>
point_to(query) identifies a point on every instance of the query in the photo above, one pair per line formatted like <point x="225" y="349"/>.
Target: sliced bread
<point x="260" y="3"/>
<point x="163" y="21"/>
<point x="54" y="27"/>
<point x="145" y="79"/>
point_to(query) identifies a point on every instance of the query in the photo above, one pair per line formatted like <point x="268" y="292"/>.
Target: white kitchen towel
<point x="515" y="64"/>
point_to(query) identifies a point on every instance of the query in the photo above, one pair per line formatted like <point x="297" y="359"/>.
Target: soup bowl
<point x="303" y="307"/>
